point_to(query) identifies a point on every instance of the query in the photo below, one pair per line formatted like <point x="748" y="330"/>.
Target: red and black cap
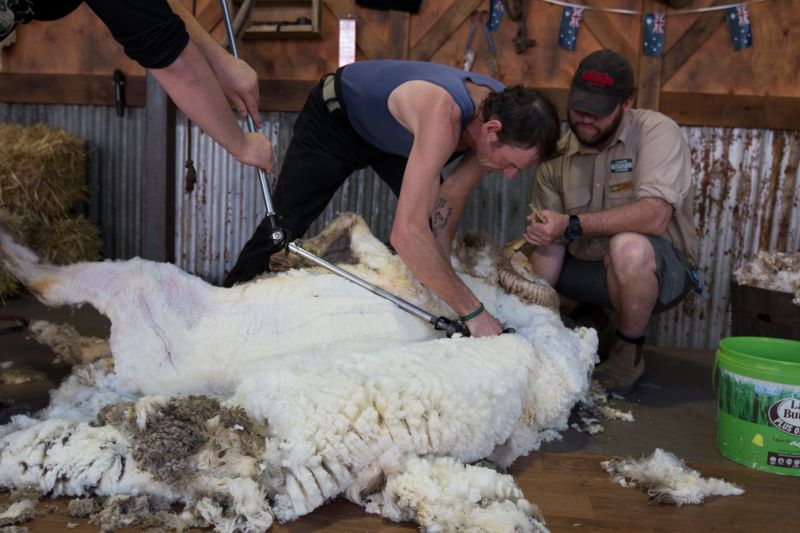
<point x="603" y="80"/>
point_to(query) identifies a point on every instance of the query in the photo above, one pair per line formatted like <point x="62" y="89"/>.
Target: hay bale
<point x="42" y="180"/>
<point x="42" y="170"/>
<point x="67" y="240"/>
<point x="15" y="225"/>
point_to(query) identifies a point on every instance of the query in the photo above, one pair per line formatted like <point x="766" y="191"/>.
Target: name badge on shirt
<point x="621" y="187"/>
<point x="621" y="165"/>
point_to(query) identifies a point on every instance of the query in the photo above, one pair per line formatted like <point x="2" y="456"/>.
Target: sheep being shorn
<point x="306" y="387"/>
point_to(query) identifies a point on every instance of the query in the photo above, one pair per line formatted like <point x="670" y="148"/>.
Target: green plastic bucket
<point x="758" y="403"/>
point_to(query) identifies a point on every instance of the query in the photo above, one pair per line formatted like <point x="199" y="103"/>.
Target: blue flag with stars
<point x="655" y="25"/>
<point x="496" y="11"/>
<point x="570" y="24"/>
<point x="739" y="24"/>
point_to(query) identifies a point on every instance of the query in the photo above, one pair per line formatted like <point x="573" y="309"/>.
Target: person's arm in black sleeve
<point x="157" y="38"/>
<point x="238" y="80"/>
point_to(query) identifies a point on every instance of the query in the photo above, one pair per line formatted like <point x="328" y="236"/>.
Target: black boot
<point x="254" y="257"/>
<point x="249" y="265"/>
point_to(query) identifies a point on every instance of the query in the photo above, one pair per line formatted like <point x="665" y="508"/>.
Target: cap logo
<point x="597" y="79"/>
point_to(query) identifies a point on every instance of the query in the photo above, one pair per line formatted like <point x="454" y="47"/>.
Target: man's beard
<point x="603" y="136"/>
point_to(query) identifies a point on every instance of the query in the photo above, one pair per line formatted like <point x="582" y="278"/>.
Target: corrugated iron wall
<point x="747" y="197"/>
<point x="115" y="165"/>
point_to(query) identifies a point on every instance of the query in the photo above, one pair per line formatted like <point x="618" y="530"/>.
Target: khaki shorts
<point x="585" y="281"/>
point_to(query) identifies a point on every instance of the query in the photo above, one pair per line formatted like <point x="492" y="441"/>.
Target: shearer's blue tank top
<point x="366" y="86"/>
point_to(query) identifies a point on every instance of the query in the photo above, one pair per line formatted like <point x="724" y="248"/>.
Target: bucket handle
<point x="714" y="376"/>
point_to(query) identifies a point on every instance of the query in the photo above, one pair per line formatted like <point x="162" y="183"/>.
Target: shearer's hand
<point x="484" y="325"/>
<point x="239" y="82"/>
<point x="255" y="150"/>
<point x="543" y="233"/>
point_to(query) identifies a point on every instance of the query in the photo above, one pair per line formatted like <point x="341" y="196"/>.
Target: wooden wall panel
<point x="760" y="86"/>
<point x="770" y="67"/>
<point x="77" y="44"/>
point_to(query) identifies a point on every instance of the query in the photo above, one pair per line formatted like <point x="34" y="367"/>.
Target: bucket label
<point x="785" y="415"/>
<point x="783" y="460"/>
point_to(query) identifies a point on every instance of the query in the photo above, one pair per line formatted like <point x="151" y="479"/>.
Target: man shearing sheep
<point x="407" y="120"/>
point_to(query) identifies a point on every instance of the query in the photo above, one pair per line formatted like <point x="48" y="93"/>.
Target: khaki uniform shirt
<point x="648" y="158"/>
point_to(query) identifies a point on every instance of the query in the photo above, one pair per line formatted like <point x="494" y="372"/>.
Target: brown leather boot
<point x="620" y="373"/>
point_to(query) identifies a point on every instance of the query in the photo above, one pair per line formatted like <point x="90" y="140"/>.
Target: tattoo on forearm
<point x="441" y="216"/>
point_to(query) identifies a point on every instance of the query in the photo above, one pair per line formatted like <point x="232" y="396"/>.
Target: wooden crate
<point x="763" y="313"/>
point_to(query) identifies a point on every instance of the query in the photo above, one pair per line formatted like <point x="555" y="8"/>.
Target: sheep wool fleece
<point x="337" y="392"/>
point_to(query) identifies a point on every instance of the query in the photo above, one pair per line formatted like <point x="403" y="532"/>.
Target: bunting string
<point x="655" y="23"/>
<point x="671" y="12"/>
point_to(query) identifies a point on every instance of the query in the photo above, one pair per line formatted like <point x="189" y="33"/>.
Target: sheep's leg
<point x="441" y="494"/>
<point x="105" y="285"/>
<point x="79" y="283"/>
<point x="43" y="279"/>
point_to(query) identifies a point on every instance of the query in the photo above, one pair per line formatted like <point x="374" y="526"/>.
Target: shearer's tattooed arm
<point x="442" y="214"/>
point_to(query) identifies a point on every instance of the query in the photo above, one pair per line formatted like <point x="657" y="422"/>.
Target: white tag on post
<point x="347" y="41"/>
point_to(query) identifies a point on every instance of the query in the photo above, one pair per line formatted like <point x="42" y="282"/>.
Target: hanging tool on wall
<point x="518" y="12"/>
<point x="480" y="19"/>
<point x="119" y="92"/>
<point x="521" y="40"/>
<point x="279" y="238"/>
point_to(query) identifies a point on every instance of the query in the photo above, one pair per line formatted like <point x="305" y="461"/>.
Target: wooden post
<point x="158" y="197"/>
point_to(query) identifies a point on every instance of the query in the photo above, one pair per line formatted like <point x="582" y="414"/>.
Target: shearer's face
<point x="494" y="156"/>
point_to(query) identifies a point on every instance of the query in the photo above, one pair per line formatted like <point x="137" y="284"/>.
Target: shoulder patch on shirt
<point x="622" y="165"/>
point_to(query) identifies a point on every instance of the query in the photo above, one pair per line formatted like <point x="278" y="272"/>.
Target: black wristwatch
<point x="574" y="230"/>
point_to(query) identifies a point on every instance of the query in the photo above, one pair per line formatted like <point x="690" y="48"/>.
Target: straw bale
<point x="67" y="240"/>
<point x="9" y="286"/>
<point x="42" y="170"/>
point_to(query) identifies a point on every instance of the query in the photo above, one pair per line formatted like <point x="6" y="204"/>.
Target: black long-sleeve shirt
<point x="150" y="32"/>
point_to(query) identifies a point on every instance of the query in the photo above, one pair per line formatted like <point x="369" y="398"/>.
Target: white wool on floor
<point x="436" y="491"/>
<point x="593" y="407"/>
<point x="667" y="479"/>
<point x="17" y="512"/>
<point x="350" y="389"/>
<point x="775" y="271"/>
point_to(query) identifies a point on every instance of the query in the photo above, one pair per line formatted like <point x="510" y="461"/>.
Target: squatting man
<point x="614" y="223"/>
<point x="407" y="120"/>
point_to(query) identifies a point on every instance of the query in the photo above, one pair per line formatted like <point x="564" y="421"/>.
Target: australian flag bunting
<point x="654" y="26"/>
<point x="496" y="11"/>
<point x="570" y="24"/>
<point x="739" y="24"/>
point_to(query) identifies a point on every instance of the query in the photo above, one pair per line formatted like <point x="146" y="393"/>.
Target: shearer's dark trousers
<point x="323" y="152"/>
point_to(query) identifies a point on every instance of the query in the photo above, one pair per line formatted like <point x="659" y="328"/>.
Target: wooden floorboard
<point x="575" y="494"/>
<point x="674" y="408"/>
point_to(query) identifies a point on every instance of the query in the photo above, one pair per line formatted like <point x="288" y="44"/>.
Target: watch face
<point x="574" y="229"/>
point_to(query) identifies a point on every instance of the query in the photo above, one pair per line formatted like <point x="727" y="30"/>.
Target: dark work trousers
<point x="323" y="152"/>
